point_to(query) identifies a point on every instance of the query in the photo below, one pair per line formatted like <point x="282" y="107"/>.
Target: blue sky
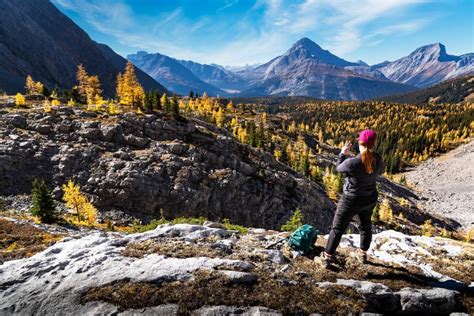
<point x="239" y="32"/>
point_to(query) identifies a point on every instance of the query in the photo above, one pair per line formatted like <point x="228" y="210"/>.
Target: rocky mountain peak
<point x="307" y="43"/>
<point x="426" y="66"/>
<point x="307" y="49"/>
<point x="432" y="52"/>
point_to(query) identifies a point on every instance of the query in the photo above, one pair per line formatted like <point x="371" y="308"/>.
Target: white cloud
<point x="266" y="30"/>
<point x="349" y="19"/>
<point x="229" y="3"/>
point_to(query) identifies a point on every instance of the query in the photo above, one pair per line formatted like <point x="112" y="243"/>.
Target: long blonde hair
<point x="368" y="158"/>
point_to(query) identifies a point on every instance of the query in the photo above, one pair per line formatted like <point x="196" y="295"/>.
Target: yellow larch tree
<point x="47" y="106"/>
<point x="30" y="85"/>
<point x="164" y="100"/>
<point x="93" y="90"/>
<point x="234" y="125"/>
<point x="385" y="211"/>
<point x="242" y="134"/>
<point x="230" y="106"/>
<point x="20" y="100"/>
<point x="33" y="87"/>
<point x="129" y="90"/>
<point x="82" y="81"/>
<point x="220" y="118"/>
<point x="79" y="203"/>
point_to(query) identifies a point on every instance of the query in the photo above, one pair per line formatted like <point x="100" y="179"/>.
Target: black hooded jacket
<point x="359" y="182"/>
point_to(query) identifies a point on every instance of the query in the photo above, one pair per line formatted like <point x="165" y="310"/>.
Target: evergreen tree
<point x="149" y="100"/>
<point x="284" y="153"/>
<point x="46" y="91"/>
<point x="375" y="214"/>
<point x="56" y="92"/>
<point x="156" y="100"/>
<point x="191" y="94"/>
<point x="261" y="138"/>
<point x="303" y="164"/>
<point x="43" y="203"/>
<point x="251" y="133"/>
<point x="174" y="106"/>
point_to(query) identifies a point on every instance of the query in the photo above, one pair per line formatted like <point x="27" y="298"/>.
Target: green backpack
<point x="303" y="238"/>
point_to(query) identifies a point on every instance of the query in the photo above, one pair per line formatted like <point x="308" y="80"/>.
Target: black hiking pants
<point x="358" y="207"/>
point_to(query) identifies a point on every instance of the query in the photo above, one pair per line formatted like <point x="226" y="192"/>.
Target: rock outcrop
<point x="148" y="166"/>
<point x="159" y="271"/>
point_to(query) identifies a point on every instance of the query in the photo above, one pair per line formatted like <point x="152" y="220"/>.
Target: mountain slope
<point x="215" y="75"/>
<point x="175" y="76"/>
<point x="449" y="91"/>
<point x="37" y="39"/>
<point x="306" y="69"/>
<point x="427" y="65"/>
<point x="447" y="184"/>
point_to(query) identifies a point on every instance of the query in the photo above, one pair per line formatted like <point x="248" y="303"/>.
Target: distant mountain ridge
<point x="308" y="70"/>
<point x="305" y="69"/>
<point x="172" y="73"/>
<point x="427" y="65"/>
<point x="215" y="75"/>
<point x="37" y="39"/>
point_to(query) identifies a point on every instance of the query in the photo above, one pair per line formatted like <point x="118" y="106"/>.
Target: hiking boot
<point x="326" y="259"/>
<point x="360" y="256"/>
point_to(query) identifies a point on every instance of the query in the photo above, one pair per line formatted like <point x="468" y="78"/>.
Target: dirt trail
<point x="447" y="184"/>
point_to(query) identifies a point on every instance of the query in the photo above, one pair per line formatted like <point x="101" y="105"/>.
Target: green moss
<point x="228" y="225"/>
<point x="188" y="220"/>
<point x="138" y="228"/>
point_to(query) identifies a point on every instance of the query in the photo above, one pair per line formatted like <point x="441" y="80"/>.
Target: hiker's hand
<point x="346" y="148"/>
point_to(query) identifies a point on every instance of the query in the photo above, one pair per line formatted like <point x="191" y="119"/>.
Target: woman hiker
<point x="359" y="195"/>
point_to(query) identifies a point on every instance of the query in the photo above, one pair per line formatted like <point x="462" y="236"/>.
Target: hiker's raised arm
<point x="342" y="165"/>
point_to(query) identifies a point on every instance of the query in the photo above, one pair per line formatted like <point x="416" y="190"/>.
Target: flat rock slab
<point x="53" y="280"/>
<point x="240" y="277"/>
